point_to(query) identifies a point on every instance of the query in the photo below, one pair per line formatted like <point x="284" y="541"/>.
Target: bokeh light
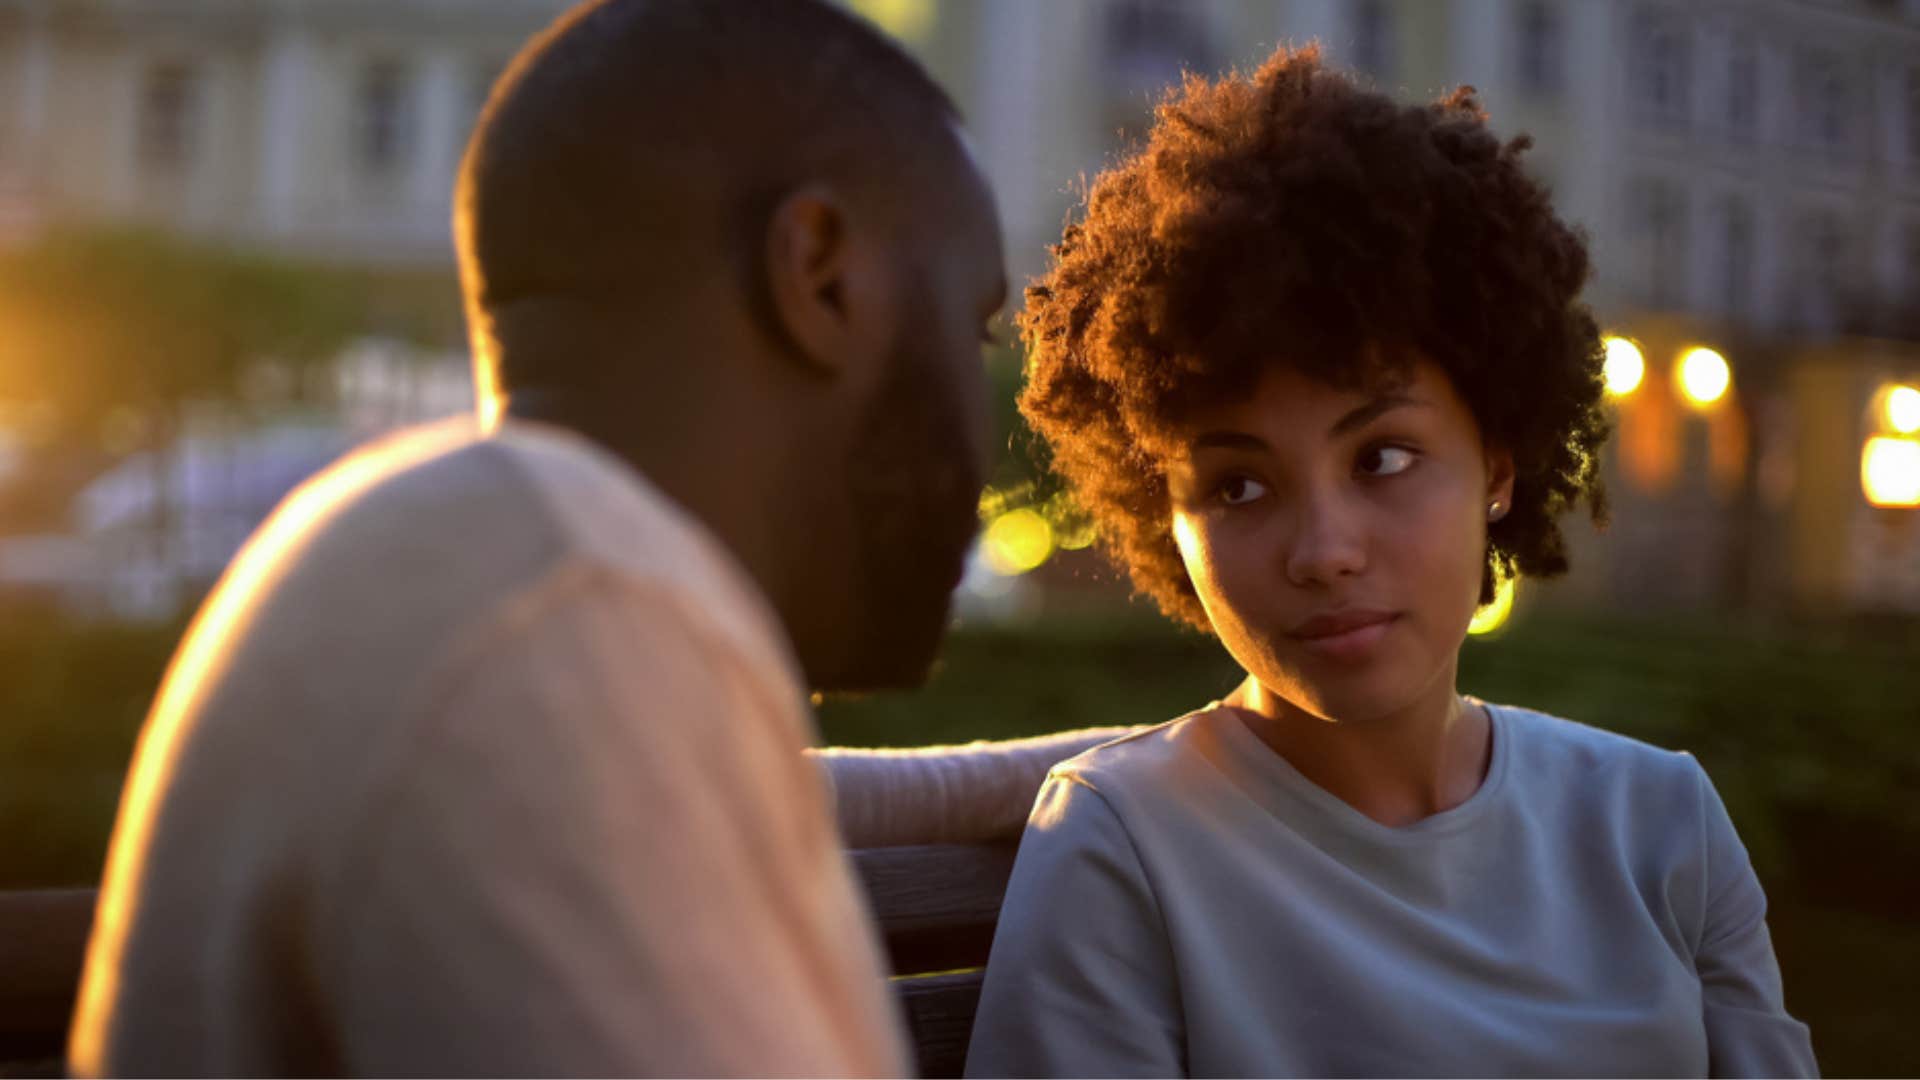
<point x="1625" y="367"/>
<point x="908" y="20"/>
<point x="1903" y="409"/>
<point x="1704" y="376"/>
<point x="1495" y="615"/>
<point x="1073" y="528"/>
<point x="1017" y="541"/>
<point x="1890" y="471"/>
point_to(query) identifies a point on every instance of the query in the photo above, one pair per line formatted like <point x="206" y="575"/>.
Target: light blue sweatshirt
<point x="1186" y="903"/>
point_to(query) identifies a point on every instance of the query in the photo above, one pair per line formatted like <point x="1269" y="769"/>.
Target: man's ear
<point x="819" y="277"/>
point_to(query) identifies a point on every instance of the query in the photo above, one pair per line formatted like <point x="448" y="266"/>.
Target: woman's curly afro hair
<point x="1293" y="217"/>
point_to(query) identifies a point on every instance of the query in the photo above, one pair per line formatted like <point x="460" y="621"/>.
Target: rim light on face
<point x="1495" y="615"/>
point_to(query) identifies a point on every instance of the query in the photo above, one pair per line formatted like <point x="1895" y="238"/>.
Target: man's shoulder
<point x="491" y="511"/>
<point x="419" y="541"/>
<point x="419" y="483"/>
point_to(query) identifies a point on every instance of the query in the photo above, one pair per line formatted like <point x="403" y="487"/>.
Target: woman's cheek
<point x="1445" y="544"/>
<point x="1192" y="536"/>
<point x="1208" y="556"/>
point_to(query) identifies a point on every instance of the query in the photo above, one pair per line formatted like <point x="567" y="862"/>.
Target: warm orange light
<point x="1901" y="409"/>
<point x="1625" y="366"/>
<point x="1704" y="376"/>
<point x="1728" y="444"/>
<point x="1650" y="437"/>
<point x="1890" y="471"/>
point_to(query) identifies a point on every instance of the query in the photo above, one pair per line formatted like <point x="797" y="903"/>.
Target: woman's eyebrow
<point x="1228" y="440"/>
<point x="1372" y="411"/>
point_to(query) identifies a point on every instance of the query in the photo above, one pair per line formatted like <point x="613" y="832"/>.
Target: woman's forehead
<point x="1294" y="389"/>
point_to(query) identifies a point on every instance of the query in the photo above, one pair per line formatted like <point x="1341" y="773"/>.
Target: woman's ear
<point x="1499" y="498"/>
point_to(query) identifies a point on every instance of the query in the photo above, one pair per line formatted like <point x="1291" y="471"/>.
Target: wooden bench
<point x="936" y="906"/>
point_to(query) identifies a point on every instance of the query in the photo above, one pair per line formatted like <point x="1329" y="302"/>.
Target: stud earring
<point x="1496" y="510"/>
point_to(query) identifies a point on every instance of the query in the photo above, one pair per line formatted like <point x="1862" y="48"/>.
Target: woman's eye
<point x="1386" y="461"/>
<point x="1239" y="490"/>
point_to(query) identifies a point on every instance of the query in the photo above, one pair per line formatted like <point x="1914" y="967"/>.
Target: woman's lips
<point x="1345" y="635"/>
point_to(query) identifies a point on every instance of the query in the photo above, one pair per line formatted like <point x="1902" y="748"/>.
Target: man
<point x="485" y="757"/>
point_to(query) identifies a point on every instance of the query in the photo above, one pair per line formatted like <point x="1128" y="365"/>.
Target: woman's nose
<point x="1327" y="543"/>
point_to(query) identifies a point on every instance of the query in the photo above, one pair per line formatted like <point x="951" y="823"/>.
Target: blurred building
<point x="322" y="129"/>
<point x="330" y="127"/>
<point x="1753" y="161"/>
<point x="1748" y="172"/>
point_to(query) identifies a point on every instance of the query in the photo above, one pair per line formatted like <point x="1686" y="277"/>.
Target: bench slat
<point x="939" y="1011"/>
<point x="936" y="903"/>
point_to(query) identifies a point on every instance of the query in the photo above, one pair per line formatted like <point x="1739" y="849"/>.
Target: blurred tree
<point x="97" y="325"/>
<point x="108" y="334"/>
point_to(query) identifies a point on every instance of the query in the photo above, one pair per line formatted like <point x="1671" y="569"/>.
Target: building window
<point x="1825" y="104"/>
<point x="1825" y="286"/>
<point x="383" y="117"/>
<point x="1657" y="222"/>
<point x="1910" y="303"/>
<point x="1736" y="259"/>
<point x="1913" y="117"/>
<point x="1540" y="57"/>
<point x="1147" y="44"/>
<point x="169" y="97"/>
<point x="1743" y="91"/>
<point x="12" y="78"/>
<point x="1374" y="48"/>
<point x="1663" y="61"/>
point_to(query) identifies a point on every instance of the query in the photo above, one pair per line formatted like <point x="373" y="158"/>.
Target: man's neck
<point x="723" y="473"/>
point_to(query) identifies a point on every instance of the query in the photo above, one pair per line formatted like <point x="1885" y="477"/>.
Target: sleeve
<point x="605" y="856"/>
<point x="945" y="794"/>
<point x="1749" y="1032"/>
<point x="1080" y="981"/>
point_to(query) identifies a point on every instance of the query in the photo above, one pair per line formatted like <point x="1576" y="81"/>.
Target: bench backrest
<point x="936" y="906"/>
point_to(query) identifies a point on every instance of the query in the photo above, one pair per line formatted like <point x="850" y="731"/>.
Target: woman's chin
<point x="1345" y="697"/>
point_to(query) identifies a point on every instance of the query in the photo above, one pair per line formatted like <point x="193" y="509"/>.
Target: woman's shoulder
<point x="1152" y="758"/>
<point x="1553" y="749"/>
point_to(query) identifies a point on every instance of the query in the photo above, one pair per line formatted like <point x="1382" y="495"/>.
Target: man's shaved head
<point x="743" y="245"/>
<point x="638" y="143"/>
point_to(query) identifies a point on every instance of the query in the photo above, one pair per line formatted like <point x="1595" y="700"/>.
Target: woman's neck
<point x="1423" y="759"/>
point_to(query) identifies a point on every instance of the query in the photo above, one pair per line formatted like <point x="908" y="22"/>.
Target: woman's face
<point x="1337" y="538"/>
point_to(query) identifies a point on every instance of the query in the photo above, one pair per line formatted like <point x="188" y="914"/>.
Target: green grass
<point x="1811" y="733"/>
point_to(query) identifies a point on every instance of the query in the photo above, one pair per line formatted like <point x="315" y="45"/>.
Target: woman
<point x="1316" y="363"/>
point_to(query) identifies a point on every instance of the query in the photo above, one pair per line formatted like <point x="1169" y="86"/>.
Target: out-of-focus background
<point x="224" y="259"/>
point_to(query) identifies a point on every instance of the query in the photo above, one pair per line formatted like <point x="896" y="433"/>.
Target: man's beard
<point x="914" y="488"/>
